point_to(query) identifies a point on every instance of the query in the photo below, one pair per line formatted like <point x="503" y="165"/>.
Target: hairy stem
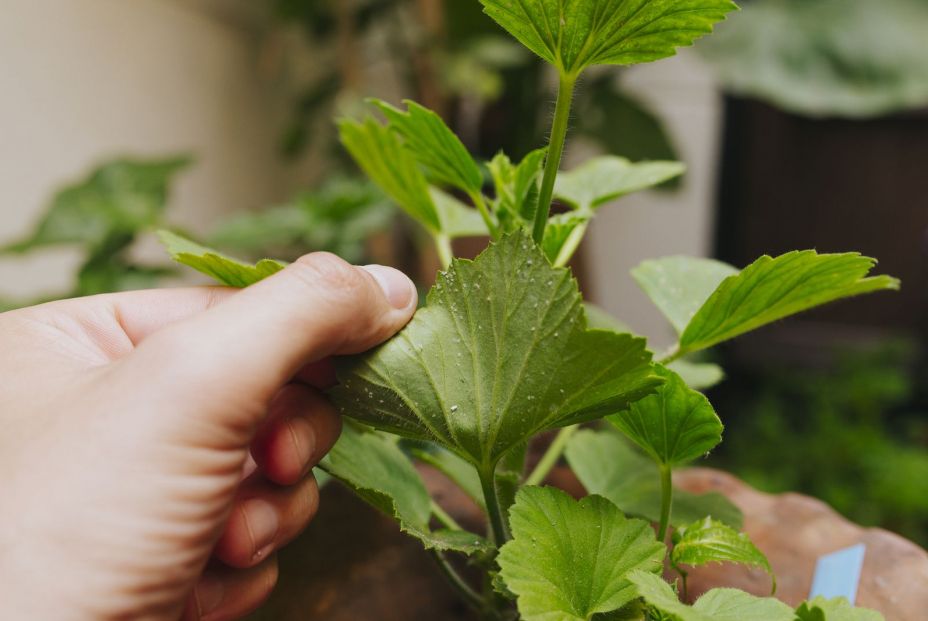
<point x="445" y="253"/>
<point x="666" y="501"/>
<point x="494" y="511"/>
<point x="469" y="595"/>
<point x="565" y="95"/>
<point x="551" y="456"/>
<point x="481" y="203"/>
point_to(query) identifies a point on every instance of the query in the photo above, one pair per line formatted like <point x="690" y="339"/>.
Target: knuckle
<point x="329" y="273"/>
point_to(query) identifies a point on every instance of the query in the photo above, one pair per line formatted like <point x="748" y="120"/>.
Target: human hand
<point x="128" y="424"/>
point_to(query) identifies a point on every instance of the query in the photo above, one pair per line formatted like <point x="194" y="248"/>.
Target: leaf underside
<point x="228" y="271"/>
<point x="710" y="541"/>
<point x="500" y="354"/>
<point x="569" y="560"/>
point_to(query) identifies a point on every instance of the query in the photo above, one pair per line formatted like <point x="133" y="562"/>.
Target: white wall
<point x="84" y="80"/>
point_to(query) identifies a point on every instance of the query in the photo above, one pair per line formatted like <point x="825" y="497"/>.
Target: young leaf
<point x="570" y="560"/>
<point x="821" y="609"/>
<point x="771" y="289"/>
<point x="378" y="152"/>
<point x="675" y="425"/>
<point x="710" y="541"/>
<point x="716" y="605"/>
<point x="500" y="353"/>
<point x="434" y="145"/>
<point x="516" y="187"/>
<point x="679" y="286"/>
<point x="607" y="465"/>
<point x="604" y="179"/>
<point x="377" y="470"/>
<point x="558" y="231"/>
<point x="226" y="270"/>
<point x="457" y="219"/>
<point x="575" y="34"/>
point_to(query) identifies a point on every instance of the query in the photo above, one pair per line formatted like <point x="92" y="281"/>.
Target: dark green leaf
<point x="607" y="465"/>
<point x="716" y="605"/>
<point x="227" y="271"/>
<point x="500" y="353"/>
<point x="574" y="34"/>
<point x="675" y="425"/>
<point x="839" y="609"/>
<point x="569" y="560"/>
<point x="710" y="541"/>
<point x="604" y="179"/>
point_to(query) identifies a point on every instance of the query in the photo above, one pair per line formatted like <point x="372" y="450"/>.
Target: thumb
<point x="245" y="349"/>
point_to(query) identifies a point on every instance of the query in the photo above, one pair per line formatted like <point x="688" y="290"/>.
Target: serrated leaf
<point x="457" y="219"/>
<point x="675" y="425"/>
<point x="839" y="609"/>
<point x="698" y="375"/>
<point x="226" y="270"/>
<point x="716" y="605"/>
<point x="376" y="469"/>
<point x="772" y="289"/>
<point x="607" y="465"/>
<point x="679" y="286"/>
<point x="710" y="541"/>
<point x="516" y="187"/>
<point x="379" y="153"/>
<point x="500" y="353"/>
<point x="575" y="34"/>
<point x="604" y="179"/>
<point x="121" y="197"/>
<point x="434" y="145"/>
<point x="569" y="560"/>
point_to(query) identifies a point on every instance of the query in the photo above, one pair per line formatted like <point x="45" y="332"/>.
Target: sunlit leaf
<point x="716" y="605"/>
<point x="500" y="353"/>
<point x="604" y="179"/>
<point x="559" y="230"/>
<point x="574" y="34"/>
<point x="675" y="425"/>
<point x="457" y="219"/>
<point x="226" y="270"/>
<point x="839" y="609"/>
<point x="710" y="541"/>
<point x="607" y="465"/>
<point x="570" y="559"/>
<point x="698" y="375"/>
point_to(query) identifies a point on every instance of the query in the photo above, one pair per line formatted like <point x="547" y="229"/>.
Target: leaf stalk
<point x="445" y="253"/>
<point x="494" y="511"/>
<point x="473" y="599"/>
<point x="565" y="96"/>
<point x="481" y="203"/>
<point x="551" y="456"/>
<point x="666" y="501"/>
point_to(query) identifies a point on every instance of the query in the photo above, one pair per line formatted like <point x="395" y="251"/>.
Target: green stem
<point x="445" y="253"/>
<point x="672" y="356"/>
<point x="666" y="500"/>
<point x="468" y="594"/>
<point x="495" y="513"/>
<point x="569" y="249"/>
<point x="551" y="456"/>
<point x="442" y="516"/>
<point x="481" y="203"/>
<point x="565" y="95"/>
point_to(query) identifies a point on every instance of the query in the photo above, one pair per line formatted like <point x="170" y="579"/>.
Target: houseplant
<point x="502" y="352"/>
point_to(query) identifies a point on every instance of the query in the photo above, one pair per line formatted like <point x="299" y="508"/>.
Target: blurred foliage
<point x="844" y="436"/>
<point x="848" y="58"/>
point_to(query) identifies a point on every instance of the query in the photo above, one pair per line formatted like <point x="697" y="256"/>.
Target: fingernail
<point x="395" y="284"/>
<point x="209" y="594"/>
<point x="262" y="523"/>
<point x="304" y="442"/>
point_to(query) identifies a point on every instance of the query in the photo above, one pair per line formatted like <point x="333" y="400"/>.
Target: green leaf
<point x="559" y="230"/>
<point x="457" y="219"/>
<point x="458" y="470"/>
<point x="569" y="560"/>
<point x="679" y="286"/>
<point x="604" y="179"/>
<point x="500" y="353"/>
<point x="698" y="375"/>
<point x="772" y="289"/>
<point x="710" y="541"/>
<point x="575" y="34"/>
<point x="516" y="187"/>
<point x="379" y="153"/>
<point x="839" y="609"/>
<point x="675" y="425"/>
<point x="375" y="468"/>
<point x="434" y="145"/>
<point x="601" y="319"/>
<point x="607" y="465"/>
<point x="121" y="197"/>
<point x="716" y="605"/>
<point x="227" y="271"/>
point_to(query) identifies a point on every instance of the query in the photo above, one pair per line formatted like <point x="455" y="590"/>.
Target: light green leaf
<point x="516" y="187"/>
<point x="121" y="197"/>
<point x="559" y="230"/>
<point x="601" y="319"/>
<point x="710" y="541"/>
<point x="698" y="375"/>
<point x="458" y="470"/>
<point x="569" y="560"/>
<point x="679" y="286"/>
<point x="716" y="605"/>
<point x="839" y="609"/>
<point x="227" y="271"/>
<point x="500" y="353"/>
<point x="607" y="465"/>
<point x="379" y="153"/>
<point x="457" y="219"/>
<point x="675" y="425"/>
<point x="376" y="469"/>
<point x="434" y="145"/>
<point x="771" y="289"/>
<point x="574" y="34"/>
<point x="604" y="179"/>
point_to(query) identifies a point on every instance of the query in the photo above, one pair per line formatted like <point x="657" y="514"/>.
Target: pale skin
<point x="156" y="447"/>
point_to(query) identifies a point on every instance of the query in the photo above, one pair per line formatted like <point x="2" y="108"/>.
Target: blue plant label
<point x="838" y="574"/>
